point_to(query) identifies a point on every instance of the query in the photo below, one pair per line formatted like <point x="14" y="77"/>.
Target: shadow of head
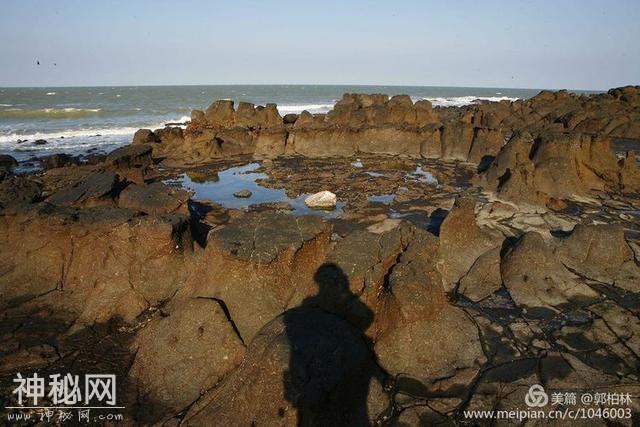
<point x="335" y="295"/>
<point x="333" y="283"/>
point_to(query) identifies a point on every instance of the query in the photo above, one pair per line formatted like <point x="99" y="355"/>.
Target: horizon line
<point x="311" y="84"/>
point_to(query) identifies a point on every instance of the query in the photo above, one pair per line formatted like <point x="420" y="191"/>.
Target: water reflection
<point x="220" y="188"/>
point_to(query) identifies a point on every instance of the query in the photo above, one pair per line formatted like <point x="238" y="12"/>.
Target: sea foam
<point x="460" y="101"/>
<point x="299" y="108"/>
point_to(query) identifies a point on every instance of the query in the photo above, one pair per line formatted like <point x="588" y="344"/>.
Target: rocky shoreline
<point x="475" y="251"/>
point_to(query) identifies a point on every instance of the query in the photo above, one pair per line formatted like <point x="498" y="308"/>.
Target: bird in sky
<point x="38" y="62"/>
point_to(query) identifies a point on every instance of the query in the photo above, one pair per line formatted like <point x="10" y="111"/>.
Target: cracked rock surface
<point x="441" y="285"/>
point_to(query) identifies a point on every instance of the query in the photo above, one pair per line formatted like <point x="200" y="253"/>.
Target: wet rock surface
<point x="456" y="271"/>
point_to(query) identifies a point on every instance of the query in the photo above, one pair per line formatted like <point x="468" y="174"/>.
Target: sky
<point x="522" y="44"/>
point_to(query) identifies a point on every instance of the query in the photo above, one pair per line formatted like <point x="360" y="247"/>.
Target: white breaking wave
<point x="6" y="105"/>
<point x="77" y="138"/>
<point x="182" y="119"/>
<point x="69" y="133"/>
<point x="297" y="109"/>
<point x="460" y="101"/>
<point x="454" y="101"/>
<point x="51" y="93"/>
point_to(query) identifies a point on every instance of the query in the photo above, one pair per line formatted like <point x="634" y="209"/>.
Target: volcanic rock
<point x="99" y="188"/>
<point x="462" y="242"/>
<point x="98" y="263"/>
<point x="290" y="118"/>
<point x="528" y="170"/>
<point x="262" y="264"/>
<point x="59" y="161"/>
<point x="537" y="279"/>
<point x="131" y="161"/>
<point x="144" y="136"/>
<point x="306" y="367"/>
<point x="181" y="354"/>
<point x="7" y="163"/>
<point x="155" y="198"/>
<point x="601" y="253"/>
<point x="483" y="278"/>
<point x="130" y="156"/>
<point x="16" y="189"/>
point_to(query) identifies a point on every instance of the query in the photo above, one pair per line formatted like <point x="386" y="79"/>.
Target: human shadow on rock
<point x="330" y="362"/>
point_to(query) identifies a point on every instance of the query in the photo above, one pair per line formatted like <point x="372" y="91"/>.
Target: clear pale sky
<point x="526" y="44"/>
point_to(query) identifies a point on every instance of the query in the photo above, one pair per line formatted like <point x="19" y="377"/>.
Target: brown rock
<point x="144" y="136"/>
<point x="99" y="188"/>
<point x="130" y="157"/>
<point x="304" y="365"/>
<point x="98" y="263"/>
<point x="17" y="190"/>
<point x="220" y="114"/>
<point x="155" y="198"/>
<point x="263" y="264"/>
<point x="172" y="135"/>
<point x="290" y="118"/>
<point x="456" y="141"/>
<point x="601" y="253"/>
<point x="483" y="278"/>
<point x="486" y="142"/>
<point x="59" y="161"/>
<point x="462" y="242"/>
<point x="270" y="144"/>
<point x="536" y="279"/>
<point x="181" y="355"/>
<point x="7" y="163"/>
<point x="245" y="115"/>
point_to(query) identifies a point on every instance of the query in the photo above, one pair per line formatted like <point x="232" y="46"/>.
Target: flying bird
<point x="38" y="62"/>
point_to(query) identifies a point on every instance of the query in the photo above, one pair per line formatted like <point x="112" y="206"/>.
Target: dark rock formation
<point x="462" y="242"/>
<point x="410" y="313"/>
<point x="375" y="124"/>
<point x="262" y="265"/>
<point x="557" y="167"/>
<point x="99" y="188"/>
<point x="59" y="161"/>
<point x="99" y="263"/>
<point x="132" y="162"/>
<point x="182" y="354"/>
<point x="306" y="367"/>
<point x="144" y="136"/>
<point x="155" y="198"/>
<point x="17" y="190"/>
<point x="7" y="163"/>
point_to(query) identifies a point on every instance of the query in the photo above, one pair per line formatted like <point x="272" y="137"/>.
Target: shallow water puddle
<point x="244" y="177"/>
<point x="375" y="174"/>
<point x="423" y="176"/>
<point x="387" y="199"/>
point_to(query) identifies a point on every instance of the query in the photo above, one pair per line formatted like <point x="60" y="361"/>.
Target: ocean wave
<point x="6" y="105"/>
<point x="11" y="139"/>
<point x="460" y="101"/>
<point x="182" y="119"/>
<point x="51" y="93"/>
<point x="299" y="108"/>
<point x="49" y="113"/>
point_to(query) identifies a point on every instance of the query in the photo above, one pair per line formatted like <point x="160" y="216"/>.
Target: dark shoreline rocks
<point x="378" y="124"/>
<point x="564" y="128"/>
<point x="444" y="300"/>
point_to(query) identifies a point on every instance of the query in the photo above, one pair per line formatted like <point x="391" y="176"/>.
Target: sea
<point x="79" y="120"/>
